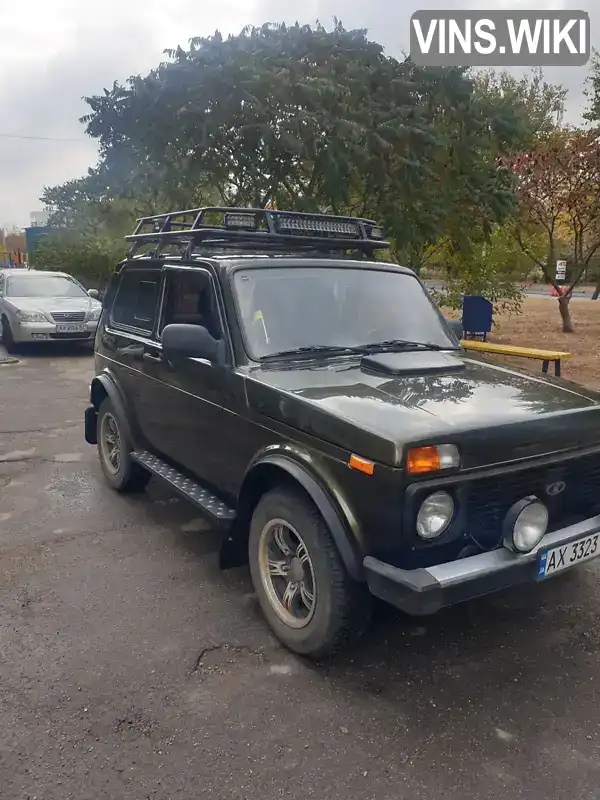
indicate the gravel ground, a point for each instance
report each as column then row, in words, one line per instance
column 131, row 667
column 540, row 326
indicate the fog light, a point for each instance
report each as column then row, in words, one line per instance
column 526, row 525
column 435, row 515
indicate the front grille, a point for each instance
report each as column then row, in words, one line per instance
column 490, row 498
column 68, row 316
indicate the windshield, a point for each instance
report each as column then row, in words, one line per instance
column 303, row 307
column 43, row 286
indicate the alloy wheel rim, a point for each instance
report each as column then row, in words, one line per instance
column 287, row 573
column 110, row 439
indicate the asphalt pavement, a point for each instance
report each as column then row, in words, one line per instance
column 132, row 668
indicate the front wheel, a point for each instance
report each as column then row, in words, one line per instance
column 114, row 449
column 8, row 340
column 305, row 592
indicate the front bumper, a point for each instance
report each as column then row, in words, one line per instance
column 33, row 332
column 425, row 591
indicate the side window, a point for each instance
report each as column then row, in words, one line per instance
column 136, row 300
column 190, row 299
column 1, row 285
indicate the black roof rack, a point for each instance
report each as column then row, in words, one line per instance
column 258, row 229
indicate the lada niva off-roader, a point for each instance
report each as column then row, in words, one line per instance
column 314, row 404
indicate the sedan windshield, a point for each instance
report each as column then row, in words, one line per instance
column 312, row 310
column 43, row 286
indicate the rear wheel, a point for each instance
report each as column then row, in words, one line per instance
column 7, row 336
column 305, row 592
column 114, row 449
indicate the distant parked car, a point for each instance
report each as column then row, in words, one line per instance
column 40, row 306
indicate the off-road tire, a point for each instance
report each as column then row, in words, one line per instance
column 129, row 477
column 343, row 606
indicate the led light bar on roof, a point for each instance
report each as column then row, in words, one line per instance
column 240, row 220
column 307, row 225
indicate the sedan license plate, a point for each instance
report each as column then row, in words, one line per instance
column 66, row 328
column 561, row 558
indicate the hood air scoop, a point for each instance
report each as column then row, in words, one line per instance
column 421, row 362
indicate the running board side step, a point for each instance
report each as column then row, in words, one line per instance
column 214, row 509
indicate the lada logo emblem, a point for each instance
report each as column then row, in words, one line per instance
column 556, row 488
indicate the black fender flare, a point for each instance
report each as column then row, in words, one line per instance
column 334, row 518
column 110, row 387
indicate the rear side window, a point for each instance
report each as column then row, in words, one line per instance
column 136, row 300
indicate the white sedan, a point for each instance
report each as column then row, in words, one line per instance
column 38, row 306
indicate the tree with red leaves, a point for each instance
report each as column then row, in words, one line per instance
column 557, row 184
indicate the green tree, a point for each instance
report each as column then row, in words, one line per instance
column 491, row 267
column 88, row 233
column 592, row 91
column 557, row 186
column 310, row 119
column 313, row 120
column 90, row 257
column 538, row 106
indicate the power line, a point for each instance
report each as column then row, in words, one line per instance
column 39, row 138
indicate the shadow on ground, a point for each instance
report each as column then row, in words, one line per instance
column 512, row 671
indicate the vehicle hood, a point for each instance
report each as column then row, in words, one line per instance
column 494, row 414
column 50, row 304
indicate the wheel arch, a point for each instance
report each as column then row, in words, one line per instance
column 5, row 318
column 105, row 385
column 281, row 471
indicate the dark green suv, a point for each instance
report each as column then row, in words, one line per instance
column 314, row 404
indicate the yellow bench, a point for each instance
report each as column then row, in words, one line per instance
column 546, row 356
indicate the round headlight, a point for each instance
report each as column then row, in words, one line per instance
column 435, row 515
column 530, row 527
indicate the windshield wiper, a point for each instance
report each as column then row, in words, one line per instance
column 390, row 345
column 401, row 344
column 318, row 349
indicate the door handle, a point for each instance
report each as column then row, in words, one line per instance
column 151, row 357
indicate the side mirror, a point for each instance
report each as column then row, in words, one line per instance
column 189, row 341
column 94, row 293
column 456, row 327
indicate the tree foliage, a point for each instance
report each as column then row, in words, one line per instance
column 91, row 257
column 89, row 230
column 592, row 91
column 310, row 119
column 538, row 106
column 491, row 268
column 557, row 185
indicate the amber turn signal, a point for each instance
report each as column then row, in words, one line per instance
column 421, row 460
column 361, row 464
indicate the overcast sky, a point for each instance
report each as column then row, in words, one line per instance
column 53, row 52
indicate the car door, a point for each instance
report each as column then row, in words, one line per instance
column 131, row 321
column 183, row 405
